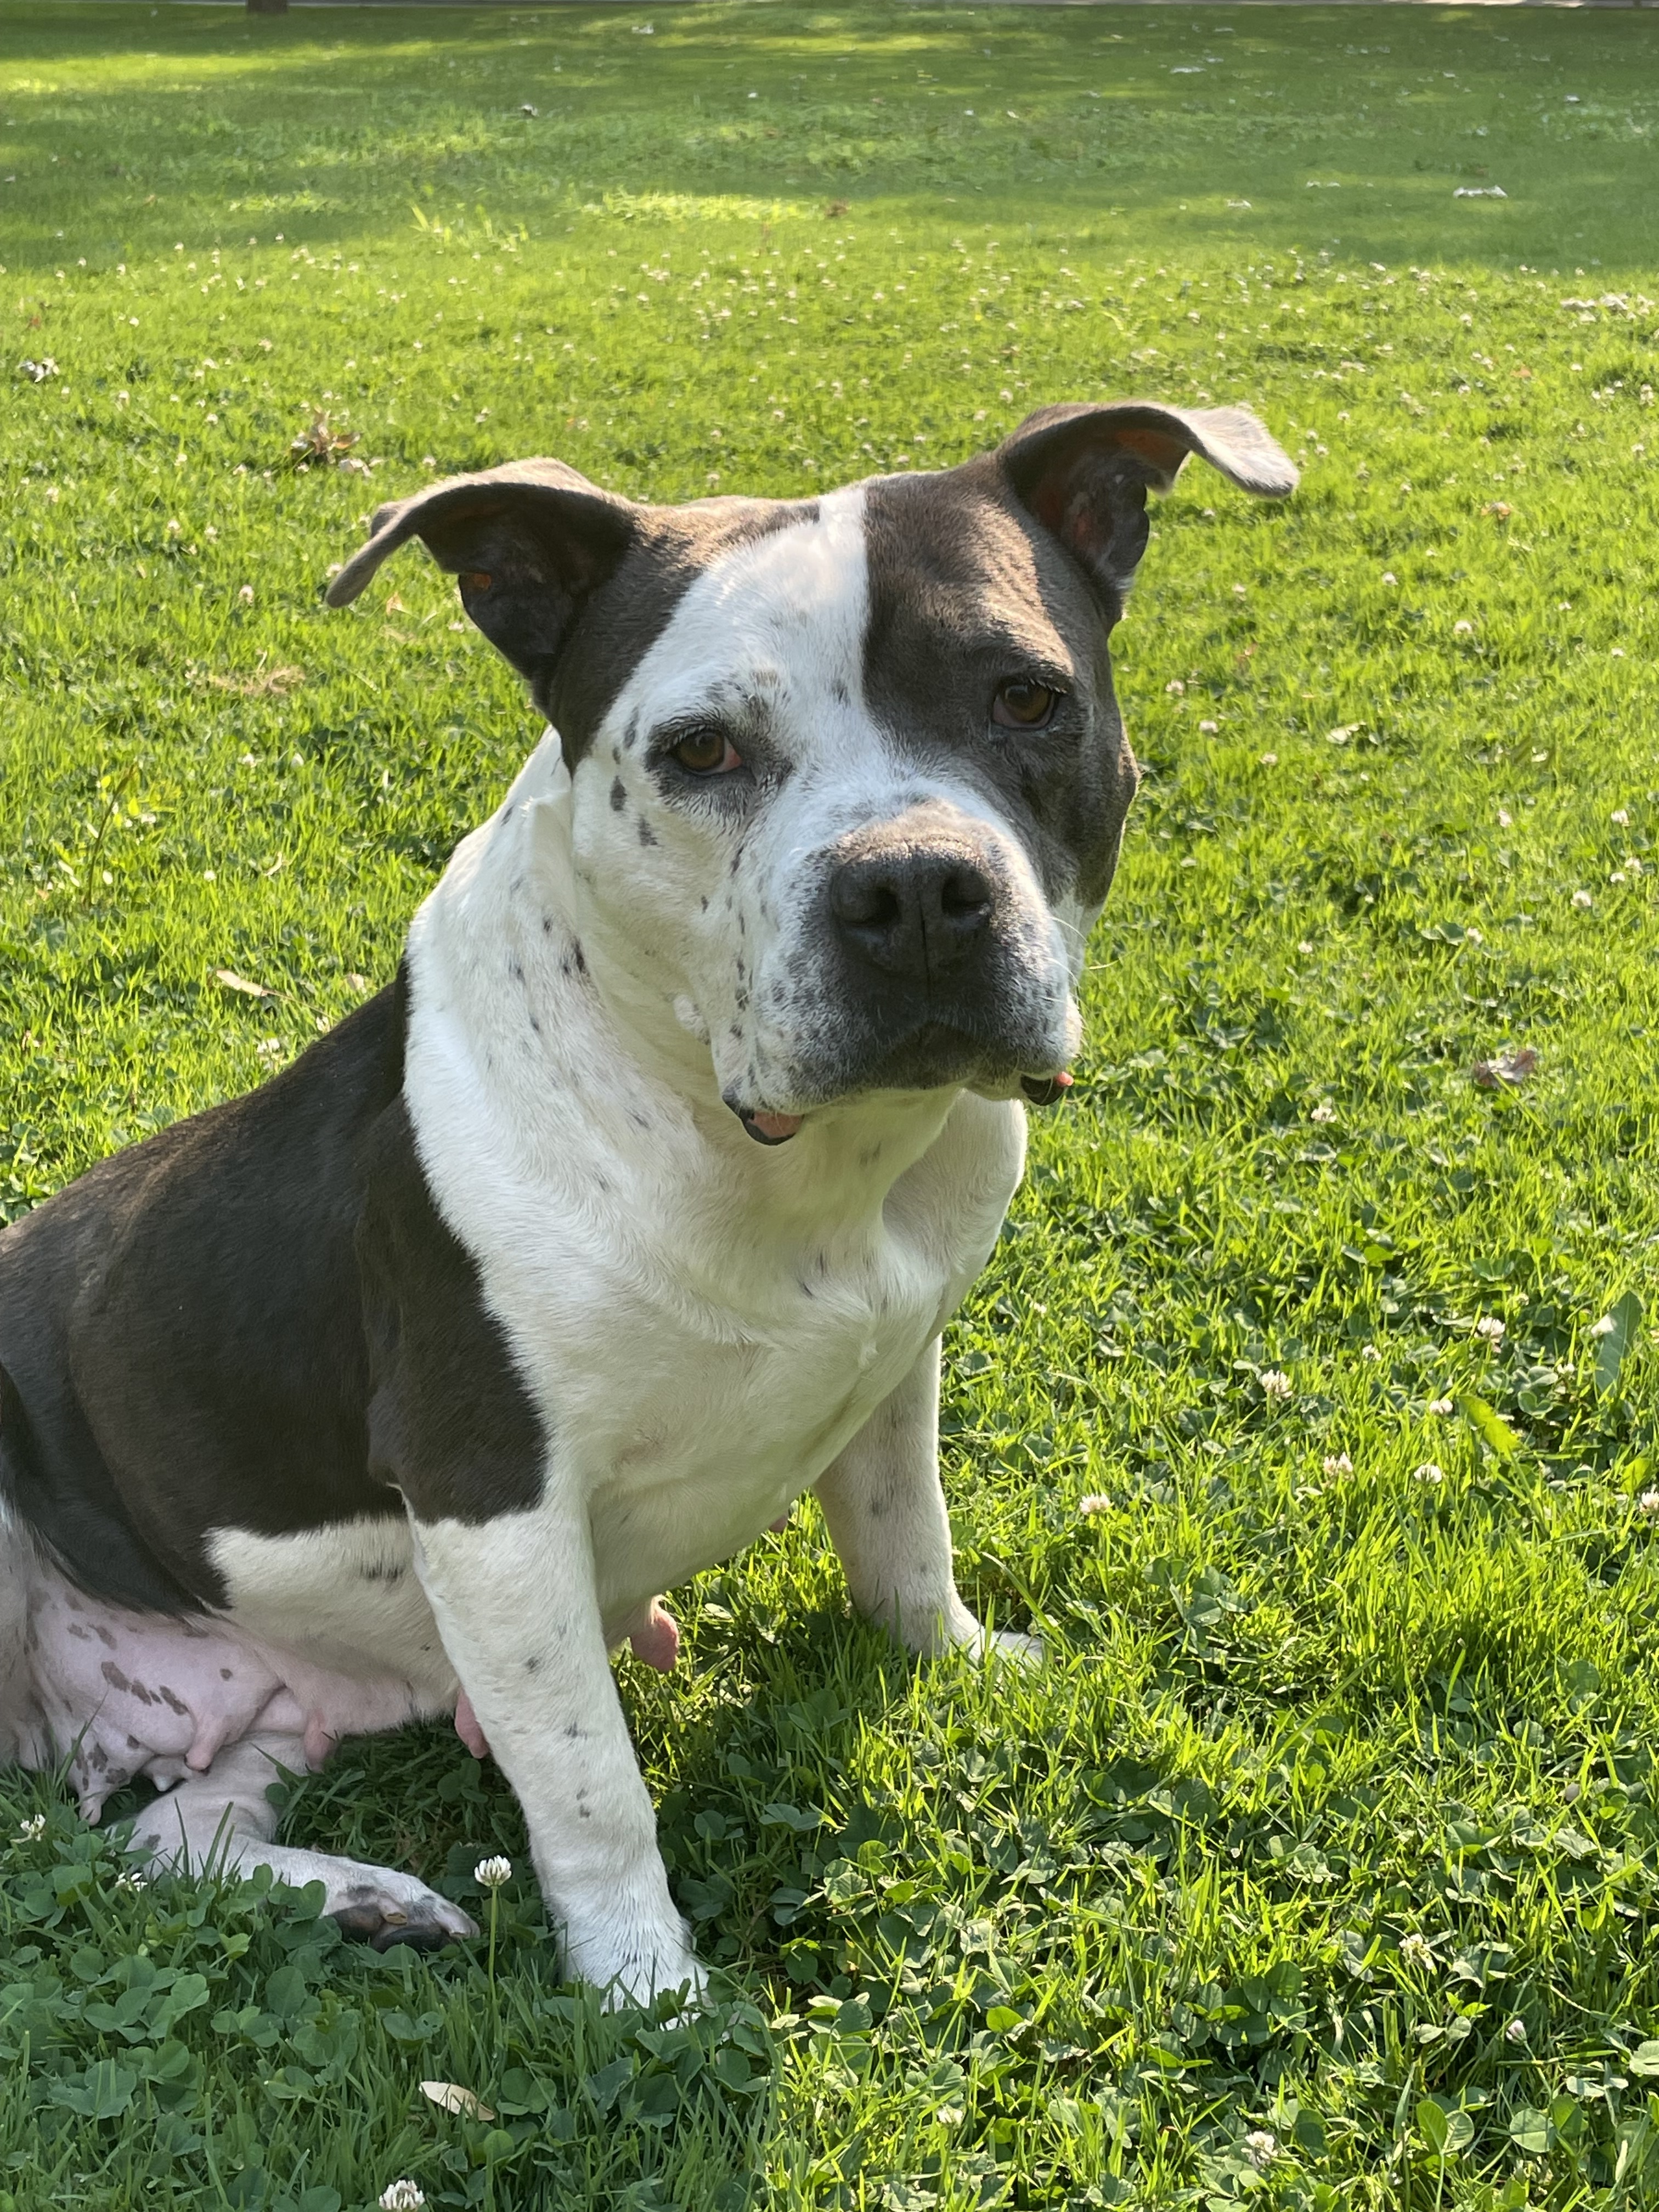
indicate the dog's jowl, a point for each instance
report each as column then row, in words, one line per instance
column 634, row 1208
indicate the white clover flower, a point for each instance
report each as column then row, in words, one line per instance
column 1505, row 819
column 1270, row 760
column 245, row 595
column 490, row 1874
column 1582, row 899
column 1388, row 576
column 1648, row 1503
column 1370, row 1352
column 130, row 1880
column 1304, row 947
column 402, row 2196
column 1621, row 816
column 1261, row 2148
column 1338, row 1463
column 32, row 1830
column 1463, row 629
column 1208, row 729
column 1428, row 1473
column 1176, row 689
column 1323, row 1112
column 1491, row 1327
column 1441, row 1405
column 1416, row 1947
column 1276, row 1384
column 1515, row 2032
column 1097, row 1502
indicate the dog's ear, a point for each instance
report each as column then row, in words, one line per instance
column 1084, row 471
column 529, row 542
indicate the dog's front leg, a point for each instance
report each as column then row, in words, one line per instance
column 886, row 1508
column 516, row 1606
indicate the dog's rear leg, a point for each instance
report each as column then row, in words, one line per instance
column 223, row 1819
column 886, row 1513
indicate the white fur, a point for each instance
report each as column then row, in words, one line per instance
column 706, row 1327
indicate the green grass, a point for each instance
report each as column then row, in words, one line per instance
column 1334, row 1772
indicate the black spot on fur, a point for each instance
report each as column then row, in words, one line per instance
column 618, row 795
column 648, row 836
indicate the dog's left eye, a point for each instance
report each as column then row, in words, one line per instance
column 706, row 752
column 1022, row 703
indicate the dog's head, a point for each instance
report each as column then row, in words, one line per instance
column 849, row 777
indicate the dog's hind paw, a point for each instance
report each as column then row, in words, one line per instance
column 382, row 1908
column 1009, row 1643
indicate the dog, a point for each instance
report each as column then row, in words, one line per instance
column 633, row 1209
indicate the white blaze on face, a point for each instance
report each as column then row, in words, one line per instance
column 770, row 638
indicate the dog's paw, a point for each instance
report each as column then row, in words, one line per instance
column 1009, row 1643
column 633, row 1967
column 381, row 1907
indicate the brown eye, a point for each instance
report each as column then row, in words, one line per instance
column 1023, row 704
column 706, row 752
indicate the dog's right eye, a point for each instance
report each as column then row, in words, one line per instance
column 706, row 752
column 1022, row 703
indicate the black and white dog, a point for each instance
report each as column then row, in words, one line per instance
column 634, row 1208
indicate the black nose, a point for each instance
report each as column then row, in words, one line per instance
column 912, row 912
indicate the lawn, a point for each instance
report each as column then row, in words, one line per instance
column 1305, row 1411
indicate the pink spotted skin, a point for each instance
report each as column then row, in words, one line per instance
column 127, row 1694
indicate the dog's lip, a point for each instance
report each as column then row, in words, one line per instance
column 765, row 1127
column 1047, row 1089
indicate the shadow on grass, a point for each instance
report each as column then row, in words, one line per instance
column 1251, row 131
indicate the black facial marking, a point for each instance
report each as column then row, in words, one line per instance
column 967, row 589
column 647, row 834
column 618, row 796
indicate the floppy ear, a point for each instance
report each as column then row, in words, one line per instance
column 1084, row 471
column 529, row 542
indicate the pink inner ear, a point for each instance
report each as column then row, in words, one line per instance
column 1165, row 454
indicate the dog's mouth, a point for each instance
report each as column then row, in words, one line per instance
column 769, row 1128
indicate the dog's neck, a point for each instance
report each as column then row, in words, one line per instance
column 543, row 1004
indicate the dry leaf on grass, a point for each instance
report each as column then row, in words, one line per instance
column 230, row 980
column 450, row 2097
column 263, row 684
column 1508, row 1067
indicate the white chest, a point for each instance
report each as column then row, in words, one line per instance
column 703, row 1323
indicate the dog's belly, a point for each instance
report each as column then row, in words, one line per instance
column 127, row 1694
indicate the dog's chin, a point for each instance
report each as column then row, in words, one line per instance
column 935, row 1056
